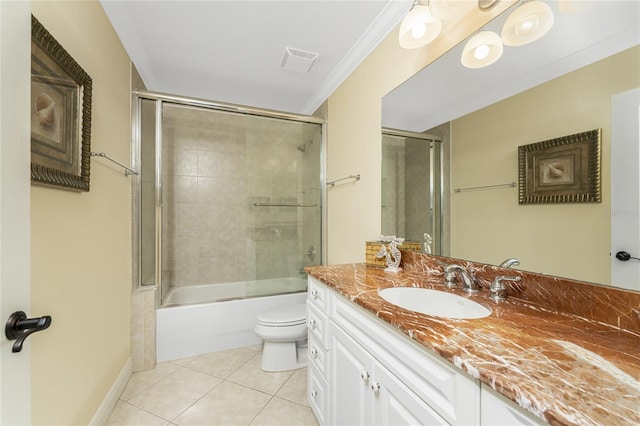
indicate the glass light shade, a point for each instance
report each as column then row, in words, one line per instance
column 482, row 50
column 418, row 28
column 527, row 23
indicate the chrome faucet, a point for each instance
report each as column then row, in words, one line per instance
column 509, row 263
column 469, row 283
column 498, row 289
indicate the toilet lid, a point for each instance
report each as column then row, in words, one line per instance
column 284, row 316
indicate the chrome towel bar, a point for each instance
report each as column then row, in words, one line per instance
column 333, row 182
column 127, row 170
column 283, row 205
column 500, row 185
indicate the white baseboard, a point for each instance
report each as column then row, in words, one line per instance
column 108, row 404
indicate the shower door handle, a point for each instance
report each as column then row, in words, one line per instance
column 19, row 327
column 311, row 253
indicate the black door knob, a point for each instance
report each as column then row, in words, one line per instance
column 19, row 327
column 624, row 256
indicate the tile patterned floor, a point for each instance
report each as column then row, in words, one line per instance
column 221, row 388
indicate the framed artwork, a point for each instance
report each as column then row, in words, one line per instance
column 561, row 170
column 60, row 114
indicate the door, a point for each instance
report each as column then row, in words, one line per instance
column 396, row 404
column 625, row 189
column 350, row 369
column 15, row 39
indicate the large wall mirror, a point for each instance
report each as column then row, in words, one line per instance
column 556, row 86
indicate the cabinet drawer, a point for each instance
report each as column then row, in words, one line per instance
column 451, row 393
column 317, row 356
column 317, row 294
column 316, row 324
column 317, row 394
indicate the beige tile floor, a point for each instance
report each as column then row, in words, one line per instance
column 221, row 388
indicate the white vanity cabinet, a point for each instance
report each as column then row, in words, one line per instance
column 317, row 386
column 363, row 372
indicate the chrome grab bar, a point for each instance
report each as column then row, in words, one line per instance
column 283, row 205
column 127, row 170
column 333, row 182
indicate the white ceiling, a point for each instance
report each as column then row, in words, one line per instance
column 446, row 90
column 231, row 51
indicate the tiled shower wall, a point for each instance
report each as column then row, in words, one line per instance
column 215, row 166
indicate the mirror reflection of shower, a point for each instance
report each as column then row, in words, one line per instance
column 412, row 188
column 303, row 148
column 239, row 198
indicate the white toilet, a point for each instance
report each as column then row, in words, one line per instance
column 284, row 331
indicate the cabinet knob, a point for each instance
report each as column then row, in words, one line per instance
column 314, row 394
column 312, row 323
column 364, row 375
column 314, row 353
column 375, row 387
column 314, row 293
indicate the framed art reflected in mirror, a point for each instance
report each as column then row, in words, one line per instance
column 60, row 114
column 561, row 170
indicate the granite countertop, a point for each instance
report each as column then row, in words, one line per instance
column 563, row 368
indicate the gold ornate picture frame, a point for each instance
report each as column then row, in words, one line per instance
column 561, row 170
column 60, row 114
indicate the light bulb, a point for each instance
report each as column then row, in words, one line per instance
column 527, row 23
column 481, row 52
column 418, row 31
column 418, row 28
column 526, row 26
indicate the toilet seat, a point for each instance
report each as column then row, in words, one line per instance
column 288, row 316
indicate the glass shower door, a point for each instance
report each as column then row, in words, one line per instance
column 226, row 199
column 412, row 187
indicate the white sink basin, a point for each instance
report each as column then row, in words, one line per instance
column 434, row 302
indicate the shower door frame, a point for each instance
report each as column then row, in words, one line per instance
column 136, row 138
column 436, row 216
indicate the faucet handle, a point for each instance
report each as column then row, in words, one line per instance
column 498, row 289
column 450, row 274
column 450, row 278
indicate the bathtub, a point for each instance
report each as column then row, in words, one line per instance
column 214, row 317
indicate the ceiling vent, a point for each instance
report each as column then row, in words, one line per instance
column 298, row 60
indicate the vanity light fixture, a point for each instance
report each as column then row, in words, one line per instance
column 419, row 27
column 449, row 9
column 482, row 50
column 529, row 22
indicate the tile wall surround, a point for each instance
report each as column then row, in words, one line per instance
column 610, row 305
column 215, row 166
column 143, row 328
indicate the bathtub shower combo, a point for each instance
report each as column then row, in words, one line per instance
column 228, row 213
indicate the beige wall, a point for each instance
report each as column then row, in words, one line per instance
column 570, row 240
column 81, row 242
column 354, row 138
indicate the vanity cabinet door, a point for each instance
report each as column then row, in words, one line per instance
column 350, row 369
column 395, row 404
